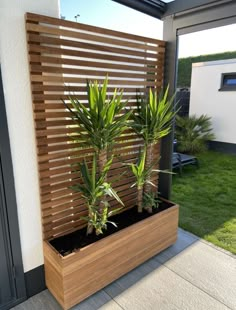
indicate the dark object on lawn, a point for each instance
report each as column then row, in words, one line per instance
column 179, row 160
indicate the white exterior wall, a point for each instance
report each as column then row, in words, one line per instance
column 205, row 97
column 16, row 84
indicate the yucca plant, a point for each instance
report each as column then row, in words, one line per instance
column 95, row 189
column 143, row 177
column 101, row 121
column 153, row 120
column 192, row 133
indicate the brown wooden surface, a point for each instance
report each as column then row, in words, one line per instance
column 85, row 272
column 62, row 55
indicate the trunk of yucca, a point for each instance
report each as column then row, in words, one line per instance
column 140, row 200
column 89, row 225
column 102, row 160
column 150, row 159
column 89, row 229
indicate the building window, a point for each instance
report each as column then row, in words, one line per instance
column 228, row 82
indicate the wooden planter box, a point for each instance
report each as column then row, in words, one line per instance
column 78, row 275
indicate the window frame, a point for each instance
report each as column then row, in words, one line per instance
column 224, row 87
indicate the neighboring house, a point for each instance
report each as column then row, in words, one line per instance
column 213, row 92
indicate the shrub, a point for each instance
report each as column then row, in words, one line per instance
column 192, row 133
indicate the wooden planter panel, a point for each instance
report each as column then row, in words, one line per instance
column 62, row 56
column 73, row 278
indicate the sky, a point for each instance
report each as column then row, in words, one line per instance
column 111, row 15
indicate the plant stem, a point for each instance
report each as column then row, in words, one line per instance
column 90, row 226
column 140, row 199
column 89, row 229
column 102, row 160
column 148, row 188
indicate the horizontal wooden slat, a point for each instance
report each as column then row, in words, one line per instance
column 64, row 70
column 75, row 80
column 73, row 145
column 153, row 60
column 139, row 49
column 69, row 161
column 30, row 17
column 86, row 36
column 80, row 89
column 91, row 64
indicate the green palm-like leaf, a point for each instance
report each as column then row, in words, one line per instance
column 94, row 189
column 154, row 117
column 101, row 120
column 193, row 132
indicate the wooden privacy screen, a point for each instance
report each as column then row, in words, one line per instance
column 62, row 55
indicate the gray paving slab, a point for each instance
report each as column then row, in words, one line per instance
column 100, row 300
column 45, row 301
column 161, row 289
column 206, row 267
column 184, row 241
column 42, row 301
column 131, row 278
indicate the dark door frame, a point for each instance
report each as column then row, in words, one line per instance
column 10, row 209
column 205, row 16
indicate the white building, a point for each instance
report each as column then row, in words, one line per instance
column 213, row 92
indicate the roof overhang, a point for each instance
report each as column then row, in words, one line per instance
column 154, row 8
column 159, row 9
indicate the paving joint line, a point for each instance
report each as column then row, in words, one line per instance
column 213, row 297
column 113, row 298
column 213, row 246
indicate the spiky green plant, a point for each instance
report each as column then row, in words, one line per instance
column 95, row 189
column 153, row 120
column 101, row 121
column 192, row 133
column 143, row 176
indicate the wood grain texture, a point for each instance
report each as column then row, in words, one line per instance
column 62, row 55
column 83, row 273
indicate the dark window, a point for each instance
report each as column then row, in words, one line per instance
column 228, row 82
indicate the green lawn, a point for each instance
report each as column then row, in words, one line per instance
column 207, row 199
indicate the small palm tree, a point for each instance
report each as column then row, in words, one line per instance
column 142, row 176
column 153, row 120
column 101, row 121
column 95, row 189
column 193, row 132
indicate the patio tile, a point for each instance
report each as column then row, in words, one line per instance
column 209, row 269
column 131, row 278
column 161, row 289
column 100, row 300
column 45, row 301
column 41, row 301
column 184, row 240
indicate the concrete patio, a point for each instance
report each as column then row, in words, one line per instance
column 192, row 274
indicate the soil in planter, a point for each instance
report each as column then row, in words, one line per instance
column 78, row 239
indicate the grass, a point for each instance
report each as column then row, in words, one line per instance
column 207, row 199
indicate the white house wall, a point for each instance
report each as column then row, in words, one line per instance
column 16, row 83
column 205, row 97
